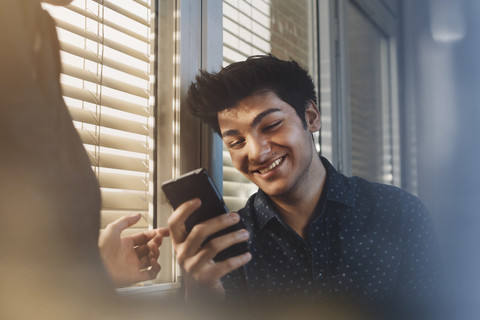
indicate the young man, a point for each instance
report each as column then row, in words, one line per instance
column 311, row 231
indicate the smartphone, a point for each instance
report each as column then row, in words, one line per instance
column 198, row 184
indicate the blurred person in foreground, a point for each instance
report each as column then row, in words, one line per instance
column 51, row 266
column 311, row 231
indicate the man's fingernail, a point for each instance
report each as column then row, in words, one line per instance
column 243, row 234
column 234, row 216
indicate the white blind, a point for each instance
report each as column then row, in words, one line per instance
column 107, row 80
column 250, row 27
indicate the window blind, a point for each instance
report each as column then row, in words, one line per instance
column 371, row 115
column 250, row 27
column 107, row 81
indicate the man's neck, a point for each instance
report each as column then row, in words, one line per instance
column 298, row 209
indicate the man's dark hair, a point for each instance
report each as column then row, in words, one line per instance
column 214, row 92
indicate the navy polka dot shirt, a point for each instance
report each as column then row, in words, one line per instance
column 368, row 240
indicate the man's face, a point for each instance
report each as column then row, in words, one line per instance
column 268, row 142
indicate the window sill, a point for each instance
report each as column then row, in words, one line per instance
column 161, row 289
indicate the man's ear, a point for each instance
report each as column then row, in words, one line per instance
column 312, row 117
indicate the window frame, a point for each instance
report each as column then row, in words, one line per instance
column 383, row 14
column 188, row 35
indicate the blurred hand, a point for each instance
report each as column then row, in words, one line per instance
column 130, row 259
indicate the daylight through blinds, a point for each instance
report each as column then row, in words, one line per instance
column 107, row 81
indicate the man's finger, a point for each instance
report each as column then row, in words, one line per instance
column 217, row 270
column 226, row 266
column 176, row 222
column 218, row 244
column 203, row 230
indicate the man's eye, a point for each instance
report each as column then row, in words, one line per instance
column 273, row 125
column 236, row 143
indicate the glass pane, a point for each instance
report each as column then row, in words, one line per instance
column 370, row 112
column 284, row 28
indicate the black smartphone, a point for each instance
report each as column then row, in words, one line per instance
column 198, row 184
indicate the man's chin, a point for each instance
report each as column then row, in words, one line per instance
column 274, row 191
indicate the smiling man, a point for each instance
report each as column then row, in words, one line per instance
column 311, row 230
column 274, row 149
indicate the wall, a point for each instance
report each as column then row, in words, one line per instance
column 441, row 93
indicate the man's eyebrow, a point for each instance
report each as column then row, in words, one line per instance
column 232, row 132
column 254, row 123
column 262, row 115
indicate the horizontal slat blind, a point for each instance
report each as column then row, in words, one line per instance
column 252, row 27
column 246, row 29
column 89, row 55
column 371, row 122
column 93, row 97
column 106, row 81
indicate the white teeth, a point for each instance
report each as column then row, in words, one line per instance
column 270, row 167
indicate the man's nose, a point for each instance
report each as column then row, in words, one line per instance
column 259, row 150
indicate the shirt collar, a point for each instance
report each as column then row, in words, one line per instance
column 264, row 210
column 338, row 187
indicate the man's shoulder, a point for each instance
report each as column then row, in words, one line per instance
column 357, row 192
column 382, row 193
column 388, row 201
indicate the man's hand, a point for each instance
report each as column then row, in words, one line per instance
column 201, row 273
column 130, row 259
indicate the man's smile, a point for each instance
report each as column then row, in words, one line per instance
column 270, row 167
